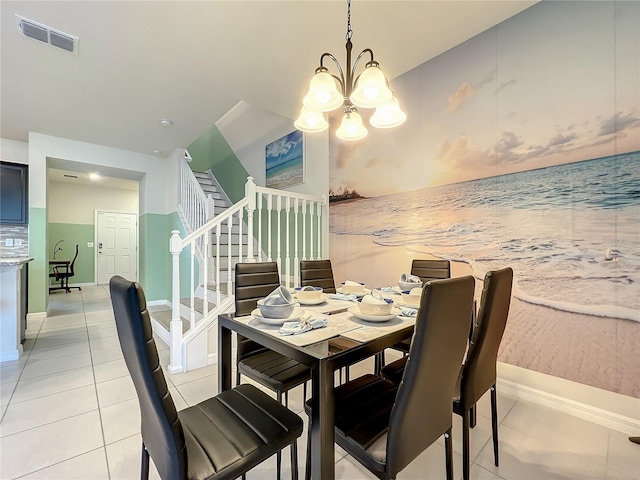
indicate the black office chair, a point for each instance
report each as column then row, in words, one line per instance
column 384, row 426
column 479, row 371
column 220, row 438
column 317, row 273
column 254, row 281
column 63, row 275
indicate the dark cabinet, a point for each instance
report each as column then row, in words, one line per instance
column 14, row 193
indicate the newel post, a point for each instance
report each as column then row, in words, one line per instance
column 175, row 329
column 211, row 207
column 250, row 194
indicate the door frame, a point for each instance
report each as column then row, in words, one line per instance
column 95, row 241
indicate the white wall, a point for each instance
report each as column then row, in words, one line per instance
column 76, row 204
column 249, row 129
column 14, row 151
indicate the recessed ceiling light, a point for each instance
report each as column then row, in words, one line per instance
column 94, row 176
column 165, row 122
column 157, row 152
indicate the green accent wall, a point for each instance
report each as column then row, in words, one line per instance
column 72, row 234
column 39, row 267
column 155, row 259
column 211, row 151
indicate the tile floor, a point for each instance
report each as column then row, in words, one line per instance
column 69, row 411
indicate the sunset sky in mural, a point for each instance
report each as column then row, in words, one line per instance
column 549, row 98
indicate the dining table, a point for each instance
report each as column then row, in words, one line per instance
column 346, row 339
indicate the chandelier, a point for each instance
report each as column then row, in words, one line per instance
column 370, row 89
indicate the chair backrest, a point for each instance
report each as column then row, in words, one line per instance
column 73, row 262
column 162, row 431
column 479, row 371
column 422, row 409
column 431, row 269
column 317, row 273
column 253, row 281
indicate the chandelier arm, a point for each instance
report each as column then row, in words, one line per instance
column 355, row 64
column 335, row 60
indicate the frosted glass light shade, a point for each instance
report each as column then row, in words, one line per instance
column 311, row 121
column 323, row 95
column 388, row 115
column 351, row 128
column 371, row 88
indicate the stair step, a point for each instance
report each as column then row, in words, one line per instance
column 198, row 304
column 162, row 314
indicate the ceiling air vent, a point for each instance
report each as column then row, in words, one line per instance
column 45, row 34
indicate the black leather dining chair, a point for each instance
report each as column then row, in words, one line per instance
column 219, row 438
column 386, row 426
column 273, row 370
column 479, row 370
column 317, row 273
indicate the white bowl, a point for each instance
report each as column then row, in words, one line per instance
column 409, row 285
column 348, row 289
column 275, row 311
column 412, row 297
column 376, row 308
column 305, row 293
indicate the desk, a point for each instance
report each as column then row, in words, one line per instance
column 64, row 281
column 358, row 340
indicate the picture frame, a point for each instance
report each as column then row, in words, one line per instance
column 284, row 161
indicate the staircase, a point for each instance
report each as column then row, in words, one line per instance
column 266, row 225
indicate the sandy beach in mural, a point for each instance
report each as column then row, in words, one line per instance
column 597, row 351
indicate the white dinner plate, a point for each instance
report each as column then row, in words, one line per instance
column 312, row 301
column 295, row 315
column 400, row 303
column 364, row 292
column 374, row 318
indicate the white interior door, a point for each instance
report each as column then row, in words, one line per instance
column 117, row 246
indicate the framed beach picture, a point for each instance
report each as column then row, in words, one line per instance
column 284, row 161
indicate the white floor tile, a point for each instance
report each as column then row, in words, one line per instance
column 45, row 410
column 48, row 366
column 178, row 401
column 120, row 421
column 29, row 389
column 115, row 391
column 106, row 354
column 104, row 342
column 523, row 457
column 180, row 378
column 566, row 432
column 6, row 392
column 88, row 466
column 110, row 370
column 123, row 458
column 199, row 390
column 54, row 337
column 59, row 350
column 623, row 456
column 11, row 373
column 41, row 447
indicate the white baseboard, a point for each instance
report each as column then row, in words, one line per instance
column 36, row 317
column 155, row 303
column 11, row 354
column 612, row 410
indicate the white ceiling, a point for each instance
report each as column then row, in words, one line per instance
column 140, row 61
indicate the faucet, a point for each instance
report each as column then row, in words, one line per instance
column 56, row 248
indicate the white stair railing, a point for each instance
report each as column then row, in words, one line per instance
column 280, row 214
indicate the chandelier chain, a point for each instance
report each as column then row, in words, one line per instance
column 349, row 31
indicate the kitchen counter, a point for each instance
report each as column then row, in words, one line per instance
column 12, row 311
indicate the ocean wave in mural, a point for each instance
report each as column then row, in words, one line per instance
column 569, row 231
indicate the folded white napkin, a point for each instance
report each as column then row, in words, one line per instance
column 344, row 296
column 308, row 288
column 416, row 291
column 296, row 328
column 280, row 296
column 409, row 312
column 351, row 283
column 375, row 298
column 408, row 278
column 388, row 289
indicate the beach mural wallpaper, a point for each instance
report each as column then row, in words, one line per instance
column 521, row 149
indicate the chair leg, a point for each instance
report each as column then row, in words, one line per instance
column 237, row 376
column 144, row 464
column 307, row 463
column 279, row 454
column 465, row 445
column 346, row 374
column 494, row 422
column 294, row 460
column 448, row 451
column 304, row 392
column 472, row 416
